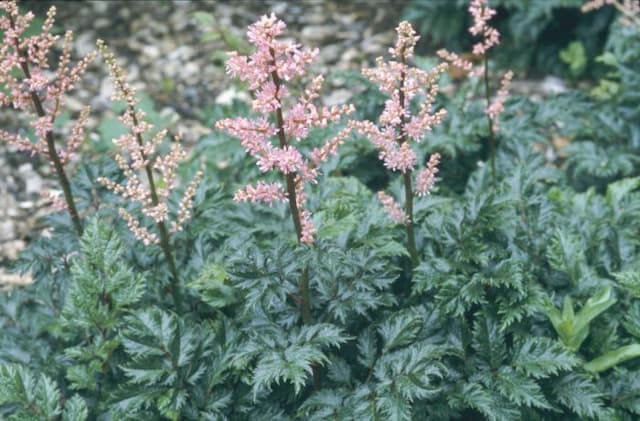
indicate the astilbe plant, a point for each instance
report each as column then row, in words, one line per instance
column 399, row 128
column 150, row 175
column 481, row 14
column 267, row 70
column 30, row 85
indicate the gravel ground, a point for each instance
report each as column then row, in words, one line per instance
column 168, row 56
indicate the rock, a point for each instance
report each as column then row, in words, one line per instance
column 11, row 279
column 73, row 104
column 317, row 33
column 227, row 96
column 330, row 53
column 337, row 97
column 552, row 85
column 31, row 179
column 190, row 69
column 7, row 231
column 84, row 44
column 151, row 51
column 350, row 54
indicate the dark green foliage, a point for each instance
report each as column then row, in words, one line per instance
column 27, row 397
column 526, row 305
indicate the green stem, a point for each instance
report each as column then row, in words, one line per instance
column 51, row 146
column 492, row 134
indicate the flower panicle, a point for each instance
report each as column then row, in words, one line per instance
column 481, row 14
column 30, row 85
column 261, row 192
column 426, row 178
column 395, row 211
column 402, row 83
column 398, row 127
column 273, row 63
column 405, row 42
column 151, row 175
column 455, row 60
column 497, row 105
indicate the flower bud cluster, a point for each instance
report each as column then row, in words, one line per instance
column 151, row 176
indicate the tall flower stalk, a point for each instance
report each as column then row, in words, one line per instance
column 151, row 176
column 267, row 71
column 482, row 14
column 25, row 85
column 399, row 128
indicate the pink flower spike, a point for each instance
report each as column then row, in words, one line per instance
column 273, row 63
column 308, row 229
column 427, row 177
column 406, row 42
column 482, row 14
column 38, row 83
column 137, row 154
column 403, row 83
column 497, row 105
column 393, row 209
column 455, row 60
column 262, row 192
column 141, row 233
column 330, row 148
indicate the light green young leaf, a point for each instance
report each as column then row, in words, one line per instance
column 613, row 358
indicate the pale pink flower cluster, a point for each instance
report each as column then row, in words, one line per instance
column 393, row 208
column 481, row 14
column 406, row 41
column 402, row 82
column 426, row 178
column 596, row 4
column 55, row 199
column 142, row 164
column 25, row 77
column 398, row 127
column 274, row 62
column 455, row 60
column 261, row 192
column 497, row 105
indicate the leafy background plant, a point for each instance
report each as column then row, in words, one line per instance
column 480, row 331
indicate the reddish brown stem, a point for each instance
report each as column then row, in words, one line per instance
column 305, row 294
column 51, row 146
column 165, row 242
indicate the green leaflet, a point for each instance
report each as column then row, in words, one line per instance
column 613, row 358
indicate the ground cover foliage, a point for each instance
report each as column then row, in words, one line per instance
column 523, row 302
